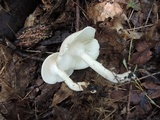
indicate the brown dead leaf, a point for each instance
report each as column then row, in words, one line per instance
column 103, row 10
column 153, row 33
column 141, row 109
column 47, row 4
column 143, row 53
column 145, row 104
column 94, row 12
column 111, row 9
column 117, row 24
column 117, row 95
column 154, row 94
column 135, row 96
column 141, row 46
column 129, row 34
column 5, row 83
column 138, row 112
column 32, row 18
column 63, row 93
column 5, row 91
column 150, row 85
column 153, row 89
column 45, row 93
column 15, row 74
column 141, row 57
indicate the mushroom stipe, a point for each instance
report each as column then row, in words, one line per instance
column 51, row 74
column 79, row 51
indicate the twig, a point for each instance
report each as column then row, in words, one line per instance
column 148, row 15
column 150, row 25
column 83, row 11
column 110, row 113
column 37, row 51
column 11, row 28
column 154, row 111
column 130, row 49
column 137, row 84
column 18, row 117
column 77, row 16
column 5, row 60
column 148, row 76
column 36, row 116
column 128, row 103
column 19, row 52
column 131, row 14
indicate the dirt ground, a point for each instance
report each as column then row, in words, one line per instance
column 128, row 32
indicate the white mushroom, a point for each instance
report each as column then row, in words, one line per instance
column 80, row 50
column 51, row 74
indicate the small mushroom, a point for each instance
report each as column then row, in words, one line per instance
column 80, row 50
column 51, row 74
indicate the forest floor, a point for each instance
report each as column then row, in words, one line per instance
column 128, row 32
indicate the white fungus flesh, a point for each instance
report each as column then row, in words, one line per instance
column 80, row 50
column 51, row 74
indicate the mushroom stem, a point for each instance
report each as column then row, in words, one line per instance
column 107, row 74
column 72, row 85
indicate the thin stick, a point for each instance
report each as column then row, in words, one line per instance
column 77, row 16
column 130, row 49
column 148, row 75
column 83, row 11
column 19, row 52
column 150, row 25
column 131, row 14
column 128, row 103
column 148, row 15
column 37, row 51
column 137, row 84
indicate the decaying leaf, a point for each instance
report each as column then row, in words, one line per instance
column 36, row 16
column 63, row 93
column 118, row 94
column 152, row 88
column 94, row 11
column 129, row 34
column 117, row 24
column 155, row 94
column 31, row 35
column 145, row 104
column 103, row 10
column 111, row 9
column 45, row 93
column 149, row 84
column 136, row 96
column 5, row 91
column 141, row 57
column 138, row 112
column 47, row 4
column 5, row 86
column 31, row 20
column 143, row 53
column 14, row 75
column 153, row 33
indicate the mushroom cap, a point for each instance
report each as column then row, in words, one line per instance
column 82, row 40
column 48, row 70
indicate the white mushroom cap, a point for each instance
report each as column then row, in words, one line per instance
column 51, row 74
column 80, row 50
column 48, row 70
column 83, row 40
